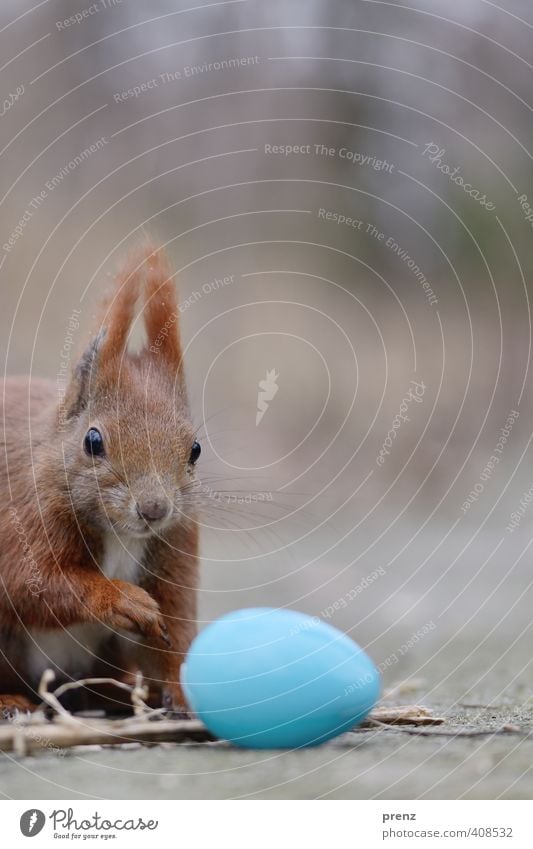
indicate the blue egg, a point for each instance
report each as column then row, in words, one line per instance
column 265, row 678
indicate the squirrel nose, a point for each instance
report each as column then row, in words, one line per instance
column 152, row 509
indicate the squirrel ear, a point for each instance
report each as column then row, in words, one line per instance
column 78, row 391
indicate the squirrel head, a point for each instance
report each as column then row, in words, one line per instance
column 128, row 447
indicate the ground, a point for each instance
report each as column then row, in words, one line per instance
column 378, row 764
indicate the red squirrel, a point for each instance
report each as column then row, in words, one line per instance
column 99, row 548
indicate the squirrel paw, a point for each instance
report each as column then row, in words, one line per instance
column 133, row 609
column 173, row 701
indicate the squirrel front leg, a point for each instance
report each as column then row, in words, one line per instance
column 77, row 595
column 173, row 585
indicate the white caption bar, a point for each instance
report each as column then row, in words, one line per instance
column 266, row 824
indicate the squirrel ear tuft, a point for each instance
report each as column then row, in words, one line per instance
column 161, row 312
column 84, row 374
column 119, row 310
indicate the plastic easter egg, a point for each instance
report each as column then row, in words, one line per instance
column 266, row 678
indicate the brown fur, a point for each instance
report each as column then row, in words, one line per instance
column 64, row 504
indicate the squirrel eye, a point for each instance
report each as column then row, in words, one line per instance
column 94, row 443
column 195, row 453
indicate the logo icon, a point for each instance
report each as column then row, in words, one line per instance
column 267, row 389
column 32, row 822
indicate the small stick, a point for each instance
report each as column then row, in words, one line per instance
column 28, row 738
column 402, row 715
column 83, row 682
column 138, row 693
column 504, row 729
column 47, row 677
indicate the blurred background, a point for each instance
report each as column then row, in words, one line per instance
column 344, row 191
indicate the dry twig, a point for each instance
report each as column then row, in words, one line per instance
column 34, row 732
column 403, row 715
